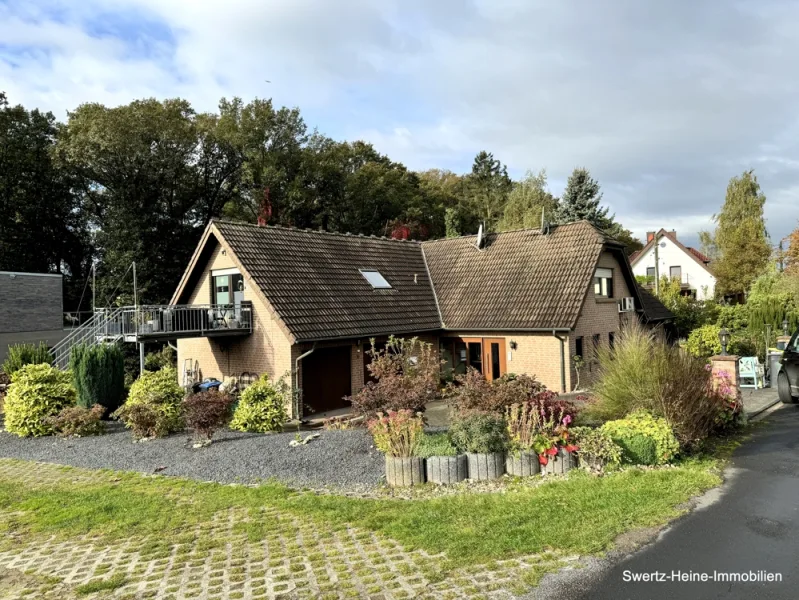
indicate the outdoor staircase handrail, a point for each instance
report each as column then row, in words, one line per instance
column 91, row 333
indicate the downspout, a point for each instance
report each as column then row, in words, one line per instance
column 297, row 381
column 562, row 341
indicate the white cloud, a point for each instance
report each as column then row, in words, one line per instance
column 663, row 102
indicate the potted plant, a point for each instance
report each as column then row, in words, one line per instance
column 397, row 434
column 484, row 439
column 524, row 426
column 443, row 464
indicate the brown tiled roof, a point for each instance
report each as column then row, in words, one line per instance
column 698, row 254
column 312, row 280
column 653, row 308
column 520, row 280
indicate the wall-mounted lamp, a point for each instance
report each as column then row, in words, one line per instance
column 513, row 345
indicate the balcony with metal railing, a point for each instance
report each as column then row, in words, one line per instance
column 161, row 323
column 157, row 323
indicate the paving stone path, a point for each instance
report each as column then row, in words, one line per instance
column 293, row 558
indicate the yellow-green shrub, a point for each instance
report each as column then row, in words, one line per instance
column 262, row 407
column 160, row 393
column 627, row 433
column 37, row 392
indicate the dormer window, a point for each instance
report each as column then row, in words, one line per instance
column 603, row 283
column 375, row 279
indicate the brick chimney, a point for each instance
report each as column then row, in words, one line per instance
column 674, row 233
column 650, row 235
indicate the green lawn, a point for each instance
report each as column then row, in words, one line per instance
column 578, row 515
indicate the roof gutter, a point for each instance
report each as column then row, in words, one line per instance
column 297, row 392
column 551, row 330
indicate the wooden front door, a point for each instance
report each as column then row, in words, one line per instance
column 326, row 379
column 486, row 355
column 494, row 358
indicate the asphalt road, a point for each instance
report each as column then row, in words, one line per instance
column 751, row 527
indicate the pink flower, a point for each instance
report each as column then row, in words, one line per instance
column 567, row 419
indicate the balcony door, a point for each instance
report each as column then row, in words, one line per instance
column 227, row 294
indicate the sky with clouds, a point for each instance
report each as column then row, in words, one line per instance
column 662, row 101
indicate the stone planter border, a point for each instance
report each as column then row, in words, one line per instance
column 523, row 464
column 483, row 467
column 446, row 469
column 561, row 463
column 404, row 472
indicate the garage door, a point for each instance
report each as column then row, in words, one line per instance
column 326, row 376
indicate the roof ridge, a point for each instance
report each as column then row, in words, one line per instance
column 519, row 230
column 309, row 230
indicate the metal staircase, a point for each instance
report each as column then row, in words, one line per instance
column 101, row 328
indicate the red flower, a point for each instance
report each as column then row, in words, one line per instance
column 543, row 459
column 552, row 451
column 571, row 447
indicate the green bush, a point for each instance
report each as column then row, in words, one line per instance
column 704, row 342
column 479, row 433
column 20, row 355
column 37, row 391
column 262, row 407
column 166, row 357
column 435, row 444
column 596, row 446
column 98, row 373
column 160, row 394
column 637, row 449
column 641, row 423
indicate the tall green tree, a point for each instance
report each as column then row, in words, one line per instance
column 154, row 173
column 526, row 202
column 581, row 200
column 42, row 224
column 487, row 189
column 442, row 191
column 741, row 236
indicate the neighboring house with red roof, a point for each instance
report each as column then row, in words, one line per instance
column 521, row 301
column 676, row 261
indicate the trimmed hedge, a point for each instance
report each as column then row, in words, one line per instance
column 157, row 397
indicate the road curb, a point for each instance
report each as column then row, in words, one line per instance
column 765, row 411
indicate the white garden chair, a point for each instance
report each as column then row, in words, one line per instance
column 751, row 372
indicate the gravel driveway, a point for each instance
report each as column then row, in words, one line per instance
column 343, row 460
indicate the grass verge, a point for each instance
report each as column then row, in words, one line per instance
column 578, row 515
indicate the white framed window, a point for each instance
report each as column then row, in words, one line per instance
column 375, row 279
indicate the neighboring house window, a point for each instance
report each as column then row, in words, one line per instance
column 611, row 340
column 603, row 283
column 675, row 273
column 650, row 273
column 375, row 279
column 578, row 347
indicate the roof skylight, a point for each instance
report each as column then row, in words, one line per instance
column 375, row 279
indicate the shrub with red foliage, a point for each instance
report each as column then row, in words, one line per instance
column 471, row 392
column 407, row 374
column 205, row 412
